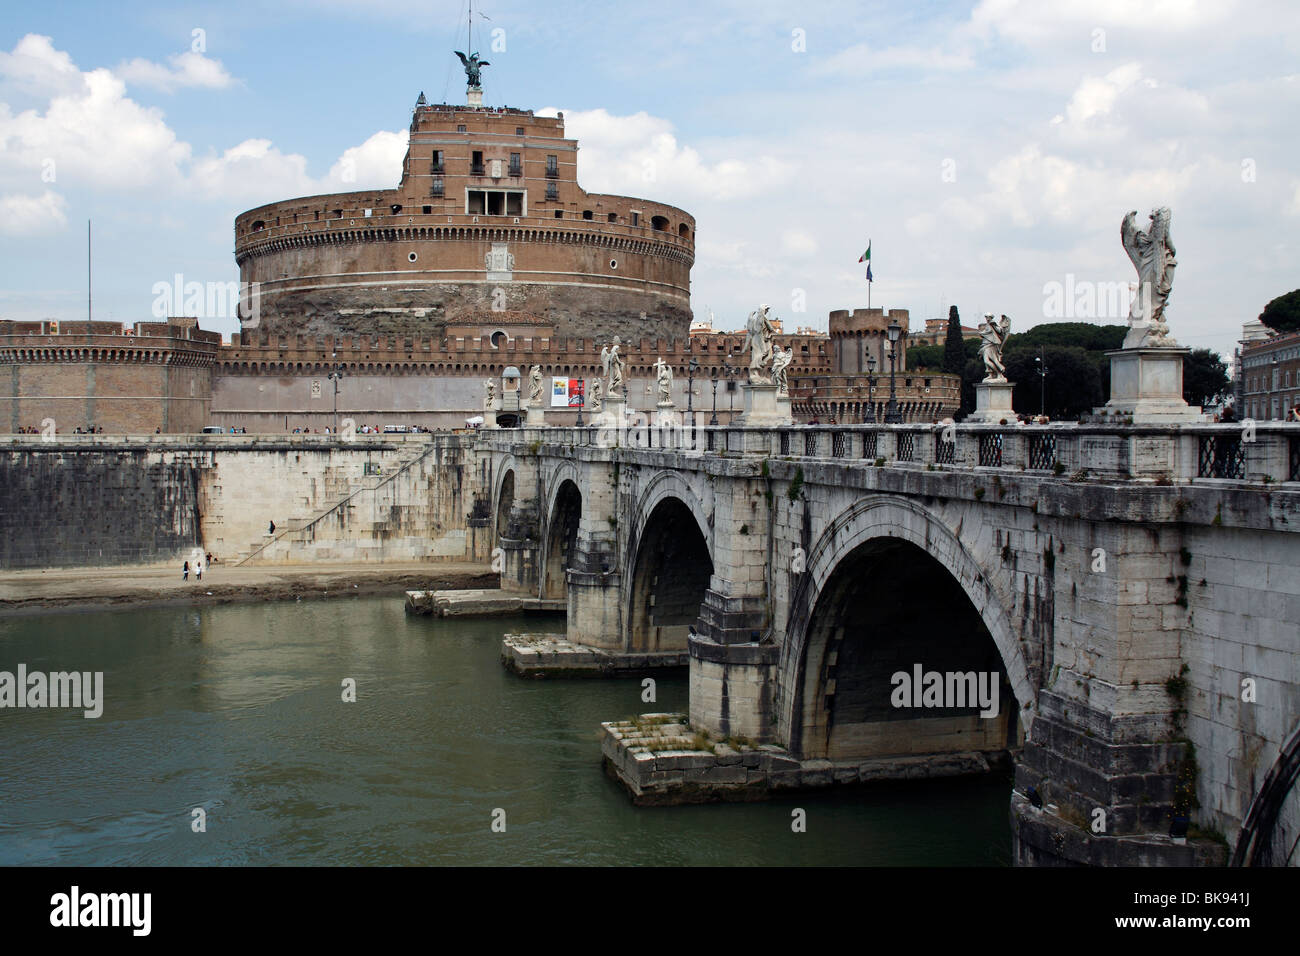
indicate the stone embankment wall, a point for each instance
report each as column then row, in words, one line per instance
column 99, row 501
column 68, row 504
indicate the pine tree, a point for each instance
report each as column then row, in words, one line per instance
column 954, row 353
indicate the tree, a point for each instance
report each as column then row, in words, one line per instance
column 954, row 353
column 1073, row 384
column 1282, row 314
column 1205, row 377
column 972, row 372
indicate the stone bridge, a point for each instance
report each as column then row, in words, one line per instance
column 1133, row 591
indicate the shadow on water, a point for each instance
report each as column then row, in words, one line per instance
column 238, row 710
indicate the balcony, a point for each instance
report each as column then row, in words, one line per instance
column 516, row 171
column 552, row 172
column 476, row 169
column 438, row 169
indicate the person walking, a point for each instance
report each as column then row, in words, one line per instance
column 198, row 570
column 185, row 572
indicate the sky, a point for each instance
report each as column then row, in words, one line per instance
column 988, row 151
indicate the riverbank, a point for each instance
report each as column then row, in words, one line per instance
column 63, row 589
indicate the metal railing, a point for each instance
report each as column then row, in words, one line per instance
column 1070, row 452
column 1221, row 456
column 1042, row 452
column 991, row 450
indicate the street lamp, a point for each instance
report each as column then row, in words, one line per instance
column 335, row 374
column 582, row 399
column 871, row 386
column 1042, row 390
column 731, row 371
column 691, row 368
column 713, row 419
column 892, row 414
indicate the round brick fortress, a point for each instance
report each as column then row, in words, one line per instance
column 488, row 217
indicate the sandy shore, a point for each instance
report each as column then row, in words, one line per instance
column 28, row 592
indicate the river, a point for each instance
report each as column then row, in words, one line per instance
column 237, row 710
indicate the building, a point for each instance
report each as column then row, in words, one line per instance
column 1270, row 375
column 856, row 387
column 936, row 333
column 488, row 218
column 90, row 375
column 394, row 306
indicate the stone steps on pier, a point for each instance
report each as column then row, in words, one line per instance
column 488, row 602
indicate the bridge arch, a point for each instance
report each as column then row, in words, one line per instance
column 560, row 535
column 670, row 564
column 503, row 495
column 892, row 537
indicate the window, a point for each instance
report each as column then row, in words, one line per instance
column 460, row 128
column 613, row 217
column 636, row 219
column 519, row 131
column 437, row 161
column 659, row 222
column 559, row 214
column 476, row 163
column 552, row 191
column 516, row 164
column 396, row 208
column 494, row 202
column 586, row 214
column 438, row 187
column 426, row 209
column 552, row 167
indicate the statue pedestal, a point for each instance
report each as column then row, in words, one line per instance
column 762, row 409
column 475, row 96
column 1146, row 385
column 783, row 406
column 611, row 414
column 992, row 403
column 490, row 414
column 536, row 416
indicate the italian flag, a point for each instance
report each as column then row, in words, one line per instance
column 866, row 257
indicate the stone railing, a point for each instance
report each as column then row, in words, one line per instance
column 1268, row 453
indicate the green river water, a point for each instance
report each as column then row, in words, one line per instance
column 238, row 710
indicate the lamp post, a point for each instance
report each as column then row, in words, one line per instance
column 892, row 414
column 691, row 368
column 335, row 374
column 1042, row 388
column 731, row 392
column 871, row 386
column 582, row 399
column 713, row 419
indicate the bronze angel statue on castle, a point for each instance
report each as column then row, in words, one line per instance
column 472, row 66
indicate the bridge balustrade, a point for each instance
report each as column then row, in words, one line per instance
column 1268, row 451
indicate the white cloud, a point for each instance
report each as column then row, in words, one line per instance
column 188, row 69
column 1029, row 21
column 639, row 155
column 798, row 243
column 22, row 215
column 87, row 131
column 37, row 69
column 375, row 164
column 861, row 60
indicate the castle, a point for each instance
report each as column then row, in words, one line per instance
column 392, row 307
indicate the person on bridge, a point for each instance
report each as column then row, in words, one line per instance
column 185, row 572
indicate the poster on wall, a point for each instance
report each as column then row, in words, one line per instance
column 566, row 392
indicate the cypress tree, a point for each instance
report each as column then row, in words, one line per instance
column 954, row 353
